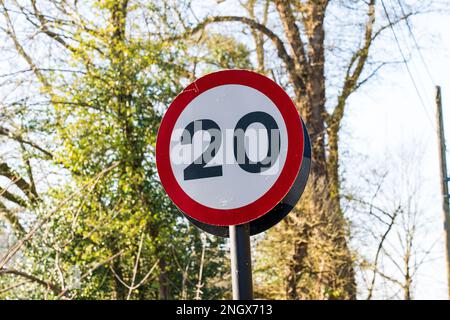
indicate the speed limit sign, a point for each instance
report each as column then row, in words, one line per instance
column 229, row 148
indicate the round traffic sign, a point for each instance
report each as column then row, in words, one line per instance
column 229, row 147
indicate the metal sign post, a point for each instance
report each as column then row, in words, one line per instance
column 241, row 262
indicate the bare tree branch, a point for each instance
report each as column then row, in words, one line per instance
column 278, row 43
column 20, row 49
column 19, row 244
column 46, row 284
column 12, row 219
column 19, row 138
column 20, row 182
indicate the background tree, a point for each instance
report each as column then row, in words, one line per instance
column 390, row 217
column 110, row 78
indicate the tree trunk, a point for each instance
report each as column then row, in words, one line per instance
column 321, row 258
column 163, row 281
column 120, row 291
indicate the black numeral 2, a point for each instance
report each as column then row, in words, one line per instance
column 198, row 169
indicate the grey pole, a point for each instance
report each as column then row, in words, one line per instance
column 444, row 179
column 241, row 264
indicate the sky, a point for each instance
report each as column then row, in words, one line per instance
column 388, row 114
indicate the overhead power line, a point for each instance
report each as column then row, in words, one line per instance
column 416, row 44
column 391, row 25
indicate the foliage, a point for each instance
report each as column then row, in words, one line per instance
column 106, row 113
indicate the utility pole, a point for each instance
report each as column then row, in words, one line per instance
column 444, row 179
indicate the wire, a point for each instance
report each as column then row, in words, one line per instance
column 406, row 64
column 408, row 46
column 415, row 42
column 416, row 45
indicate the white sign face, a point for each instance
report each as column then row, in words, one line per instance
column 229, row 147
column 232, row 186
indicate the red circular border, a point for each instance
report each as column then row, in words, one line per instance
column 251, row 211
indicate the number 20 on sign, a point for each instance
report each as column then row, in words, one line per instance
column 229, row 148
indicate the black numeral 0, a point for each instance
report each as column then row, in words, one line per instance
column 239, row 141
column 198, row 169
